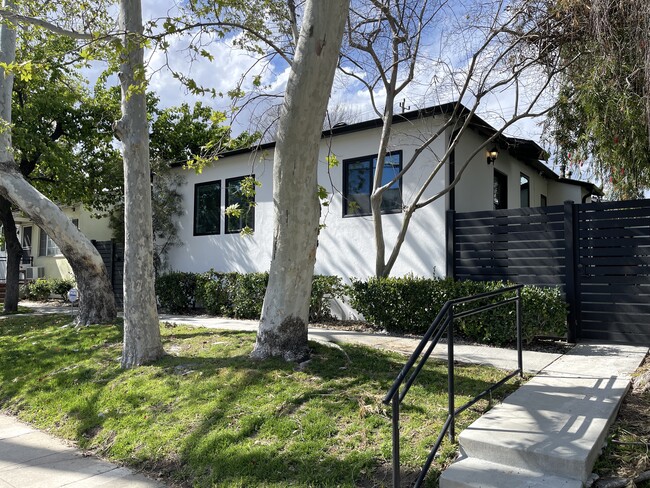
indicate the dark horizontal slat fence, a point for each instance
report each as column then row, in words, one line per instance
column 112, row 254
column 614, row 270
column 598, row 253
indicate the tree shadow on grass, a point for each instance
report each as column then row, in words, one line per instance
column 264, row 422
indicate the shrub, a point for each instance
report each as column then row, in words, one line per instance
column 176, row 291
column 323, row 289
column 246, row 294
column 212, row 292
column 409, row 305
column 38, row 290
column 61, row 286
column 237, row 295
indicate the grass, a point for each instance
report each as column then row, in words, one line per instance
column 207, row 415
column 20, row 310
column 627, row 453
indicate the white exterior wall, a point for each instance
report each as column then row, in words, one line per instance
column 346, row 244
column 562, row 192
column 474, row 192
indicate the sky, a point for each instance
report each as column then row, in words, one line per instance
column 225, row 71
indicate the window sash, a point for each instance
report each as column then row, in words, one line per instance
column 207, row 208
column 246, row 204
column 358, row 177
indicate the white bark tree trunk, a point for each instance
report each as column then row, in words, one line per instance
column 142, row 342
column 96, row 301
column 283, row 326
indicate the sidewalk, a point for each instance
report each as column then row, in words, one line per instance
column 33, row 459
column 493, row 356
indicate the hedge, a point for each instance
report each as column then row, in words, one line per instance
column 403, row 305
column 409, row 305
column 237, row 295
column 42, row 288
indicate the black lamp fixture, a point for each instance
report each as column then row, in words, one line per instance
column 492, row 155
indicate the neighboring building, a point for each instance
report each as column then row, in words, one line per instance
column 41, row 256
column 346, row 244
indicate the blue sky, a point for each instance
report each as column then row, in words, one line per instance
column 230, row 62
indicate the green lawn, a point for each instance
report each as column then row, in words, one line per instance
column 207, row 415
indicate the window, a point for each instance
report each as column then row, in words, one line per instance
column 46, row 246
column 358, row 175
column 207, row 205
column 542, row 200
column 500, row 190
column 524, row 190
column 244, row 217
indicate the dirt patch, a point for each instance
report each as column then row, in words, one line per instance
column 627, row 454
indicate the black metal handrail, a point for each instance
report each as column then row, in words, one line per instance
column 444, row 323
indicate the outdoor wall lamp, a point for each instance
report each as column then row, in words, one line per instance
column 492, row 155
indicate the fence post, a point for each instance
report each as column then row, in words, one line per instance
column 450, row 374
column 570, row 244
column 396, row 460
column 450, row 223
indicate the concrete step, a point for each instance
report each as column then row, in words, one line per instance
column 476, row 473
column 551, row 424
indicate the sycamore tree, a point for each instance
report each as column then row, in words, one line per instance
column 62, row 140
column 97, row 304
column 389, row 43
column 141, row 329
column 306, row 38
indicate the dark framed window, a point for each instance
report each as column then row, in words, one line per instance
column 542, row 200
column 524, row 190
column 500, row 190
column 245, row 216
column 358, row 175
column 207, row 206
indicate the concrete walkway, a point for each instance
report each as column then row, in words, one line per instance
column 551, row 430
column 32, row 459
column 546, row 434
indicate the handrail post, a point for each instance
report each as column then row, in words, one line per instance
column 396, row 474
column 450, row 373
column 520, row 360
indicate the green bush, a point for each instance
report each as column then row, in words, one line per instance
column 246, row 294
column 323, row 289
column 237, row 295
column 176, row 291
column 61, row 286
column 38, row 290
column 212, row 292
column 409, row 305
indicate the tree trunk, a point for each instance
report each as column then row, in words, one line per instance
column 283, row 326
column 142, row 343
column 14, row 256
column 96, row 301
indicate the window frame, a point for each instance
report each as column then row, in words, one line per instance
column 346, row 213
column 250, row 210
column 195, row 226
column 543, row 201
column 46, row 244
column 504, row 204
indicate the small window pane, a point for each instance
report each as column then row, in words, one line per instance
column 359, row 175
column 207, row 203
column 542, row 200
column 500, row 190
column 234, row 196
column 358, row 188
column 524, row 190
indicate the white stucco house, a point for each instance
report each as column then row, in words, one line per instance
column 346, row 247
